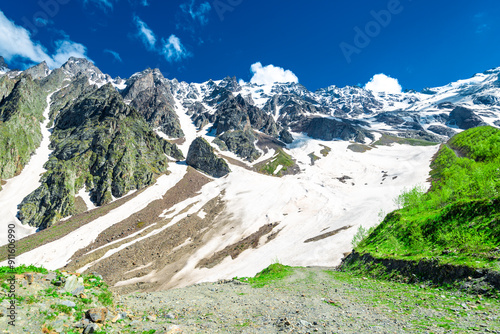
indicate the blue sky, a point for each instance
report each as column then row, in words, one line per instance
column 323, row 42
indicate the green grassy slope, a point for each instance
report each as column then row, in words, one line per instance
column 457, row 220
column 22, row 103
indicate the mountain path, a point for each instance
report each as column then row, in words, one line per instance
column 312, row 300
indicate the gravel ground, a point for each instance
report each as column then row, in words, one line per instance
column 310, row 300
column 313, row 300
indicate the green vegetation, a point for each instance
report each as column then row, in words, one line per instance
column 281, row 158
column 273, row 273
column 101, row 143
column 325, row 150
column 386, row 140
column 457, row 220
column 21, row 112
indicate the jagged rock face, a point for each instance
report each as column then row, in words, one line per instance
column 3, row 64
column 202, row 157
column 240, row 142
column 218, row 95
column 488, row 100
column 158, row 111
column 78, row 87
column 465, row 118
column 442, row 130
column 400, row 120
column 21, row 111
column 102, row 103
column 38, row 71
column 286, row 136
column 101, row 143
column 231, row 84
column 151, row 95
column 236, row 114
column 330, row 129
column 75, row 66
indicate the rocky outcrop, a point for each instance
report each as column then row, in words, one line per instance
column 286, row 136
column 3, row 65
column 486, row 99
column 38, row 71
column 64, row 97
column 442, row 130
column 150, row 94
column 101, row 143
column 21, row 112
column 465, row 118
column 231, row 84
column 240, row 142
column 330, row 129
column 235, row 114
column 202, row 157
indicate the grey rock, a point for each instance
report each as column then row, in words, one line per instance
column 202, row 157
column 74, row 285
column 150, row 94
column 239, row 142
column 329, row 129
column 442, row 130
column 91, row 328
column 38, row 71
column 67, row 303
column 97, row 315
column 235, row 113
column 286, row 136
column 3, row 64
column 465, row 118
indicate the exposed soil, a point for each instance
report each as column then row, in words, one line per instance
column 234, row 250
column 328, row 234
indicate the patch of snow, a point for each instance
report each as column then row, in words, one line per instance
column 86, row 198
column 202, row 214
column 187, row 125
column 280, row 167
column 18, row 187
column 56, row 254
column 306, row 204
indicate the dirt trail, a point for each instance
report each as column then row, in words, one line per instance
column 313, row 300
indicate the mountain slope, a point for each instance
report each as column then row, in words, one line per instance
column 99, row 143
column 21, row 111
column 457, row 220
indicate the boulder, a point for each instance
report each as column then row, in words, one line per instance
column 202, row 157
column 97, row 315
column 465, row 118
column 74, row 285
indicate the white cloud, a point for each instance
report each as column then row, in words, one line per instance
column 16, row 43
column 197, row 13
column 173, row 50
column 147, row 35
column 115, row 55
column 383, row 83
column 270, row 74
